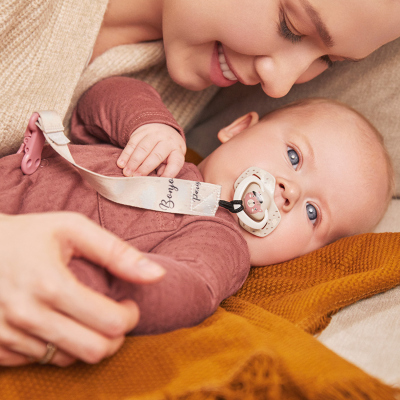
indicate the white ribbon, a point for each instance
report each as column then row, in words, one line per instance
column 152, row 193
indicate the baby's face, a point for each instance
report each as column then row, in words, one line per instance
column 318, row 164
column 273, row 42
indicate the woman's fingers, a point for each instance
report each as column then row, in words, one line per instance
column 18, row 348
column 11, row 359
column 84, row 324
column 15, row 340
column 61, row 359
column 41, row 299
column 97, row 312
column 69, row 336
column 86, row 239
column 21, row 330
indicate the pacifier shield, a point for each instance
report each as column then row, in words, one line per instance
column 255, row 188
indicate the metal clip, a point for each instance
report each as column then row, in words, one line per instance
column 32, row 146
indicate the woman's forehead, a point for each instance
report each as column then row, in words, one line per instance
column 353, row 28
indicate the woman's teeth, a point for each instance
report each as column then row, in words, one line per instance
column 226, row 72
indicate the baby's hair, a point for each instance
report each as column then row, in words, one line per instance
column 364, row 126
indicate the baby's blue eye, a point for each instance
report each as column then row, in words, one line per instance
column 312, row 213
column 293, row 157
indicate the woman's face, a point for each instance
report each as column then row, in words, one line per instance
column 273, row 42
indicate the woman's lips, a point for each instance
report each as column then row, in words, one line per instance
column 220, row 72
column 226, row 71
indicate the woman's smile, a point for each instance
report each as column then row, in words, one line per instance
column 275, row 43
column 221, row 73
column 226, row 71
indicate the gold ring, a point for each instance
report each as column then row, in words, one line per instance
column 50, row 351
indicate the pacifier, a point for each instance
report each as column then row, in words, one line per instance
column 253, row 202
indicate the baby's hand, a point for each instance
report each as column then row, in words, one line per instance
column 151, row 146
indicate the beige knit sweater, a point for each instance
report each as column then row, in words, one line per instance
column 44, row 49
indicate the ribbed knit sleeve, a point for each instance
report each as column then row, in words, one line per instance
column 112, row 109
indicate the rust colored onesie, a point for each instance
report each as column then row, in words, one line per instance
column 206, row 258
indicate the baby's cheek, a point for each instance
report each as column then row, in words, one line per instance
column 289, row 240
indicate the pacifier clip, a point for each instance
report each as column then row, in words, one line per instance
column 159, row 193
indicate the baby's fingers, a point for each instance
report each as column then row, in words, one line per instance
column 126, row 153
column 139, row 138
column 156, row 157
column 173, row 165
column 140, row 153
column 151, row 145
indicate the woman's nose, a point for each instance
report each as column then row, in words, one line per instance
column 288, row 194
column 278, row 73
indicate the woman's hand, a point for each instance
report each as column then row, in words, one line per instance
column 153, row 146
column 42, row 302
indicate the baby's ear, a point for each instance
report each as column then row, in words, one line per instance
column 237, row 126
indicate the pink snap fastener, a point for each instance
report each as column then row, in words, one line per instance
column 32, row 146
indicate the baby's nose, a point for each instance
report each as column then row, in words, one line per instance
column 288, row 193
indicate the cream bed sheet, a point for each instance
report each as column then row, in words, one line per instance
column 367, row 333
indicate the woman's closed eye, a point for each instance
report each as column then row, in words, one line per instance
column 293, row 157
column 285, row 31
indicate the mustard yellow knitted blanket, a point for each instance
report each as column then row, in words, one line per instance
column 258, row 345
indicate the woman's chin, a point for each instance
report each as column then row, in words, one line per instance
column 189, row 81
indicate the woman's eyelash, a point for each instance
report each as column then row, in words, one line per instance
column 327, row 61
column 286, row 33
column 284, row 30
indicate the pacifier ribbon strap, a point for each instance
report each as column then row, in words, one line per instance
column 153, row 193
column 230, row 205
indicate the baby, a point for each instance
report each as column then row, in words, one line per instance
column 333, row 179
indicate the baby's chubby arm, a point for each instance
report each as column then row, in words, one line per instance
column 205, row 258
column 202, row 270
column 130, row 114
